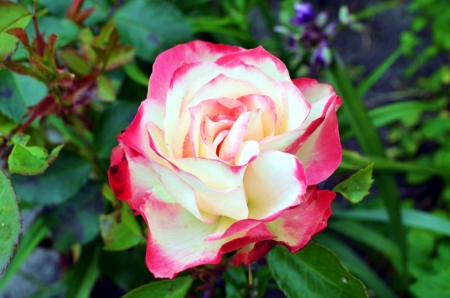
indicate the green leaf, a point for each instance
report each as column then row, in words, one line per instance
column 120, row 229
column 133, row 72
column 83, row 276
column 371, row 144
column 28, row 243
column 356, row 265
column 314, row 271
column 235, row 280
column 120, row 55
column 75, row 61
column 59, row 182
column 13, row 16
column 17, row 93
column 176, row 288
column 105, row 89
column 370, row 237
column 432, row 286
column 111, row 122
column 422, row 244
column 10, row 222
column 6, row 125
column 357, row 186
column 151, row 26
column 75, row 221
column 68, row 133
column 30, row 160
column 411, row 218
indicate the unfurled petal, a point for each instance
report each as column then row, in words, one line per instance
column 273, row 182
column 133, row 179
column 296, row 226
column 176, row 239
column 321, row 154
column 263, row 60
column 167, row 62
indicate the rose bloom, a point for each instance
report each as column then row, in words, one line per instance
column 224, row 155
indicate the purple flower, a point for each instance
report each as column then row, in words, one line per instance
column 321, row 56
column 304, row 14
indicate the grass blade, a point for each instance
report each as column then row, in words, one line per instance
column 353, row 161
column 411, row 218
column 83, row 276
column 27, row 244
column 385, row 115
column 371, row 144
column 371, row 238
column 371, row 79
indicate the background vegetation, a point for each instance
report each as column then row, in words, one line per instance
column 73, row 73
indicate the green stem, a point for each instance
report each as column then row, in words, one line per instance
column 372, row 145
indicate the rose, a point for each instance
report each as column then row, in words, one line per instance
column 224, row 154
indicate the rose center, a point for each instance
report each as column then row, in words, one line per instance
column 216, row 129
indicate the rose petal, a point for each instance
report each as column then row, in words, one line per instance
column 202, row 201
column 223, row 86
column 318, row 95
column 181, row 81
column 133, row 179
column 253, row 252
column 259, row 57
column 213, row 173
column 269, row 114
column 136, row 136
column 233, row 140
column 176, row 239
column 267, row 85
column 167, row 62
column 273, row 182
column 296, row 226
column 182, row 192
column 209, row 109
column 219, row 87
column 291, row 141
column 228, row 227
column 297, row 108
column 321, row 154
column 247, row 152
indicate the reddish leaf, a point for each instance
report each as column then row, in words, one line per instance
column 24, row 70
column 73, row 10
column 79, row 19
column 39, row 39
column 39, row 65
column 63, row 78
column 49, row 53
column 102, row 39
column 119, row 56
column 82, row 90
column 20, row 34
column 112, row 41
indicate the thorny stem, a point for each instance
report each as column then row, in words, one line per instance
column 26, row 124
